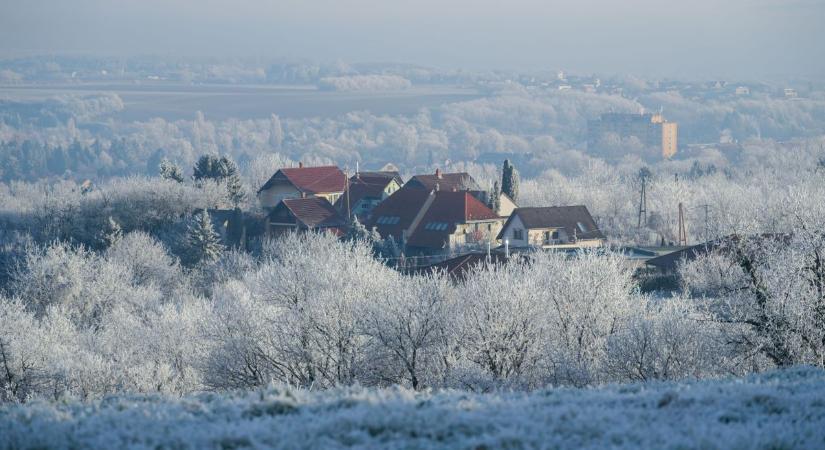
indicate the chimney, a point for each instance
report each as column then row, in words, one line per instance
column 438, row 173
column 300, row 165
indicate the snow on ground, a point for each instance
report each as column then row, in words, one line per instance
column 778, row 410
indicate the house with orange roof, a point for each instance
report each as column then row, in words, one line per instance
column 328, row 182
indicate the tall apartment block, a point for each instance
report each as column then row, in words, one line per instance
column 651, row 129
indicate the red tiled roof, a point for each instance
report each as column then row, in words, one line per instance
column 449, row 208
column 311, row 180
column 312, row 212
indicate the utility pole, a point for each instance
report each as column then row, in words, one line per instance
column 643, row 203
column 707, row 226
column 682, row 231
column 346, row 187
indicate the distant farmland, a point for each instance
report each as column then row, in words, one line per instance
column 217, row 102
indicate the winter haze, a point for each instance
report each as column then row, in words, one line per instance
column 426, row 225
column 742, row 38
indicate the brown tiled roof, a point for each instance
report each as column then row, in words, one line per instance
column 567, row 217
column 459, row 181
column 312, row 212
column 403, row 204
column 362, row 187
column 311, row 180
column 450, row 208
column 457, row 268
column 378, row 176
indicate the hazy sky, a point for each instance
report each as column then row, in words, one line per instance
column 724, row 38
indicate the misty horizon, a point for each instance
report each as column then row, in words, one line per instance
column 764, row 39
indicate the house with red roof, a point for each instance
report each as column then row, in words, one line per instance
column 305, row 214
column 328, row 182
column 435, row 223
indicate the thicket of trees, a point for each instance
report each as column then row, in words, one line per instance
column 312, row 310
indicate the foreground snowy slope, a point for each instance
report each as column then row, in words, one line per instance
column 779, row 410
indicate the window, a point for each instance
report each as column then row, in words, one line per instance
column 518, row 234
column 556, row 234
column 436, row 226
column 388, row 220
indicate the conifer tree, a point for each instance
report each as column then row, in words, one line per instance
column 509, row 180
column 235, row 189
column 203, row 242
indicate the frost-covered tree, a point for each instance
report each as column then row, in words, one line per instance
column 494, row 200
column 23, row 357
column 501, row 327
column 276, row 132
column 112, row 233
column 306, row 298
column 203, row 242
column 411, row 338
column 170, row 171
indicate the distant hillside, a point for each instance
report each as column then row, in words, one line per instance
column 779, row 410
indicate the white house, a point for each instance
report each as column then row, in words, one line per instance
column 551, row 227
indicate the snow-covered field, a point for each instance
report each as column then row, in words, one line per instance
column 778, row 410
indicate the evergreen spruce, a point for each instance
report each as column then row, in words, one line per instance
column 204, row 244
column 510, row 180
column 235, row 189
column 170, row 171
column 222, row 170
column 212, row 167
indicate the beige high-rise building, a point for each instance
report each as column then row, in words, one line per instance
column 669, row 139
column 653, row 130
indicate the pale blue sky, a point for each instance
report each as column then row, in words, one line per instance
column 744, row 38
